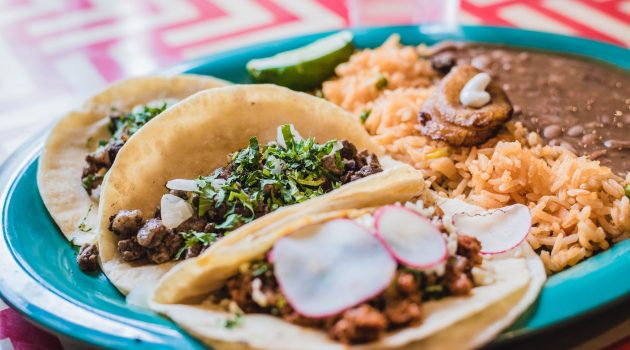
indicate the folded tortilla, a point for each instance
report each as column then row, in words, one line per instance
column 76, row 135
column 471, row 320
column 194, row 138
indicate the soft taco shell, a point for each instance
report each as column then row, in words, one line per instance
column 194, row 138
column 479, row 329
column 63, row 157
column 259, row 331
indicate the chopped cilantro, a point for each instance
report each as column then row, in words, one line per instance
column 88, row 181
column 628, row 190
column 260, row 268
column 364, row 115
column 233, row 221
column 381, row 82
column 233, row 321
column 204, row 205
column 289, row 139
column 74, row 246
column 193, row 237
column 129, row 124
column 83, row 227
column 121, row 126
column 433, row 291
column 264, row 178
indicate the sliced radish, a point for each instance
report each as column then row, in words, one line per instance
column 174, row 210
column 182, row 185
column 498, row 230
column 327, row 268
column 410, row 238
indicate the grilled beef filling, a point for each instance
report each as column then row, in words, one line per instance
column 87, row 257
column 256, row 181
column 255, row 290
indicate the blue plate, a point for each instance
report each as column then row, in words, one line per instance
column 40, row 279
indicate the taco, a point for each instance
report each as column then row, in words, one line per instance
column 228, row 162
column 83, row 144
column 392, row 277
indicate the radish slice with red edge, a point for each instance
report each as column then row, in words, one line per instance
column 327, row 268
column 411, row 238
column 498, row 230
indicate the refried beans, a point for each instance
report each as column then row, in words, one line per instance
column 576, row 103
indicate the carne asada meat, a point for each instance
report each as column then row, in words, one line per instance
column 88, row 258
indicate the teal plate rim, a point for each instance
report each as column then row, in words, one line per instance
column 56, row 299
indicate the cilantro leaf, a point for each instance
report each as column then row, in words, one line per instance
column 83, row 227
column 260, row 179
column 205, row 204
column 233, row 321
column 287, row 135
column 364, row 115
column 259, row 268
column 74, row 246
column 231, row 222
column 88, row 181
column 193, row 237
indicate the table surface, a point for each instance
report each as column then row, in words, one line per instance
column 56, row 53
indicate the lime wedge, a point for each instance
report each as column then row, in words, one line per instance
column 304, row 68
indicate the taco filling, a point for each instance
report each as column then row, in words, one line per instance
column 350, row 279
column 256, row 180
column 121, row 126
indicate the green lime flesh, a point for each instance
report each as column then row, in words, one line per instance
column 304, row 68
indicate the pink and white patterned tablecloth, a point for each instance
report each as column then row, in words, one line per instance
column 54, row 53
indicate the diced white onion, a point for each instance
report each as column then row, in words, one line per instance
column 217, row 184
column 174, row 210
column 277, row 165
column 182, row 185
column 257, row 294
